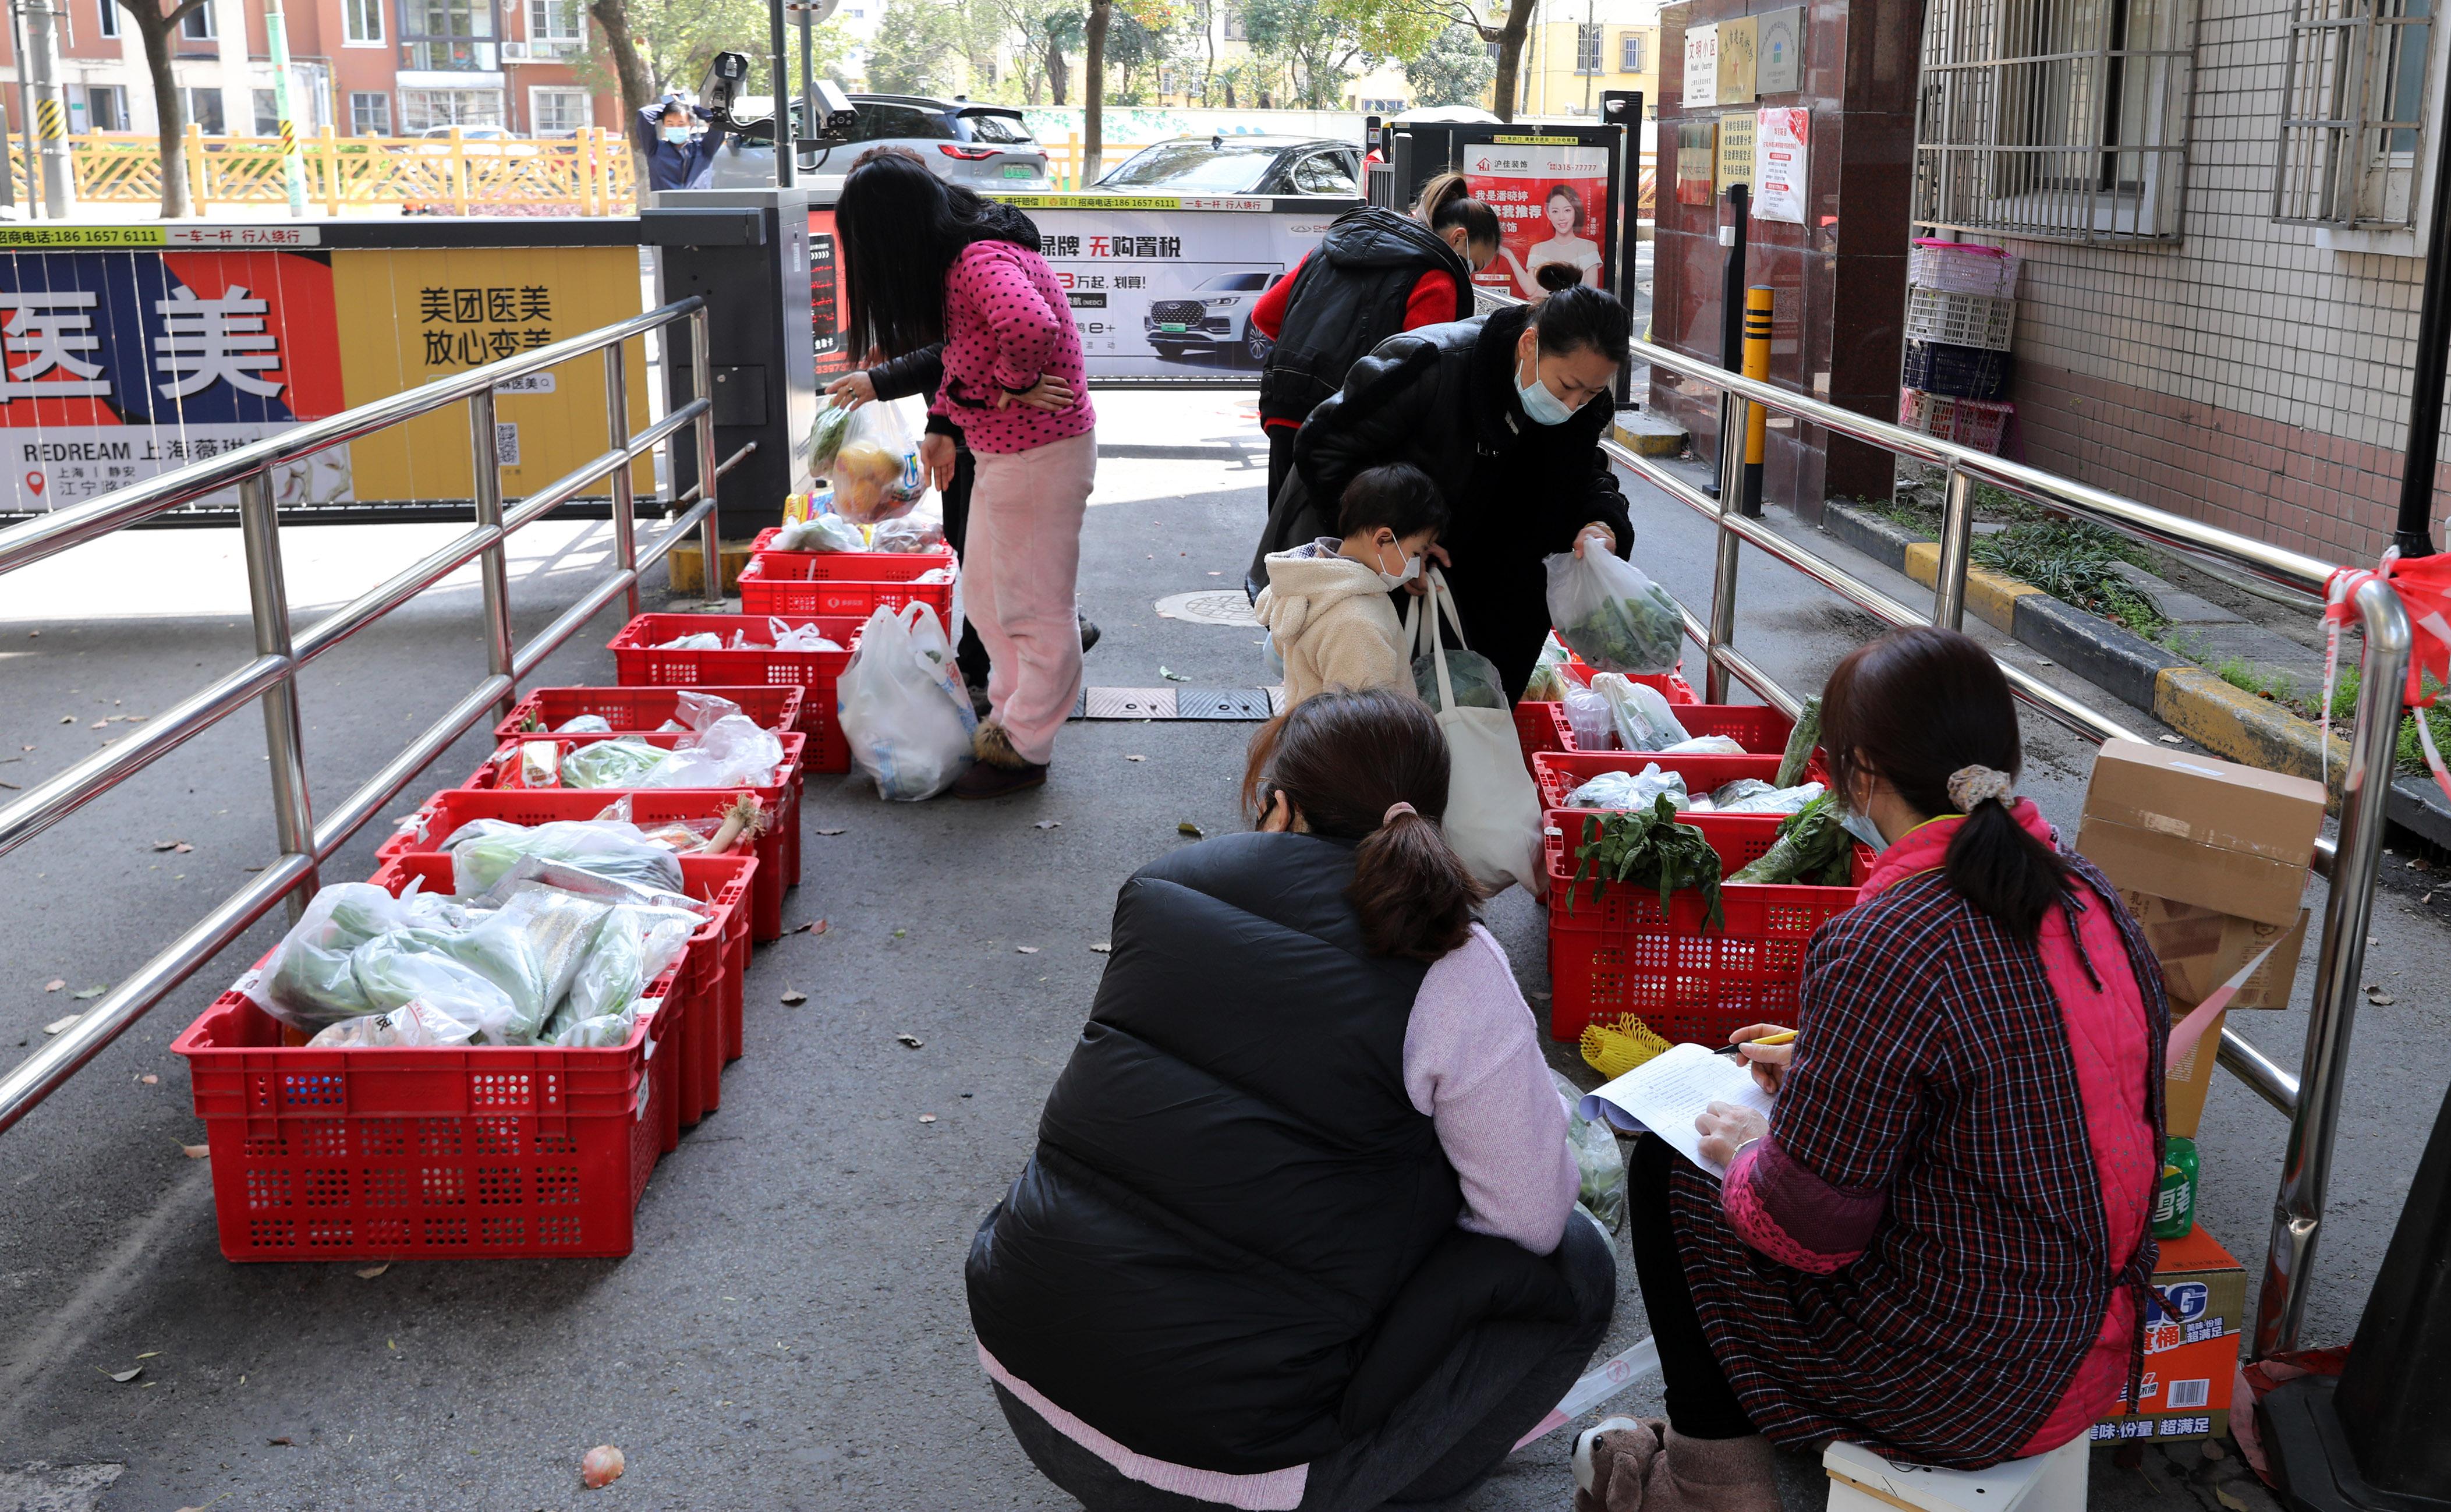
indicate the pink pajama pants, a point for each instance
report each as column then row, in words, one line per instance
column 1022, row 560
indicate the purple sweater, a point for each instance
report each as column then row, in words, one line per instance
column 1006, row 322
column 1473, row 1067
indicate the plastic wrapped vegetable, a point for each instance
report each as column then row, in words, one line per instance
column 820, row 533
column 1800, row 742
column 873, row 466
column 1812, row 847
column 1753, row 796
column 310, row 980
column 1549, row 681
column 1473, row 677
column 1588, row 717
column 632, row 948
column 1704, row 745
column 702, row 641
column 483, row 850
column 732, row 753
column 584, row 724
column 907, row 535
column 1597, row 1160
column 416, row 1024
column 1639, row 712
column 1648, row 848
column 411, row 966
column 611, row 763
column 826, row 437
column 1612, row 615
column 1630, row 790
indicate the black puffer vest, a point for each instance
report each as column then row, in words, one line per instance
column 1347, row 298
column 1235, row 1248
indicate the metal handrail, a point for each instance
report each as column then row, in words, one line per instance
column 2311, row 1099
column 307, row 840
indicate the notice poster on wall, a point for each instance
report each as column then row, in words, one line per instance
column 1701, row 66
column 1735, row 151
column 1781, row 181
column 1552, row 198
column 1694, row 148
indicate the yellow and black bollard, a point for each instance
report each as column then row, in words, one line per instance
column 1756, row 366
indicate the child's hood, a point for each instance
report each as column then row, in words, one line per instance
column 1304, row 582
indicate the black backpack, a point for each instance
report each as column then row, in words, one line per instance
column 1346, row 297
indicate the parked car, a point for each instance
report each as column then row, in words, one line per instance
column 1240, row 164
column 1212, row 317
column 986, row 146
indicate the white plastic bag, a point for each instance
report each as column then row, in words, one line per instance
column 1493, row 818
column 1612, row 615
column 735, row 751
column 1630, row 790
column 869, row 456
column 1704, row 745
column 789, row 636
column 907, row 535
column 702, row 641
column 820, row 533
column 902, row 708
column 693, row 710
column 1641, row 712
column 584, row 724
column 414, row 1023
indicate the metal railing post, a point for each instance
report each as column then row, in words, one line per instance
column 267, row 592
column 1734, row 419
column 493, row 565
column 2307, row 1159
column 1956, row 542
column 617, row 409
column 703, row 386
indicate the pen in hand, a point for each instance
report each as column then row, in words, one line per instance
column 1782, row 1037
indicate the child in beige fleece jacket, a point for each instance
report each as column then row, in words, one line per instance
column 1326, row 607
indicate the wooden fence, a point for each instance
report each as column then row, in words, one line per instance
column 588, row 174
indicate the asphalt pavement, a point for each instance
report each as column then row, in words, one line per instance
column 790, row 1331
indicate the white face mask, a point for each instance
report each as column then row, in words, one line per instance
column 1397, row 579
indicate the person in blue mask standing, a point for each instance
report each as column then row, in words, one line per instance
column 1505, row 413
column 677, row 158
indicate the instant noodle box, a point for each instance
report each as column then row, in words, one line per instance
column 2191, row 1334
column 2211, row 857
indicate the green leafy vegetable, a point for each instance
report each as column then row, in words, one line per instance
column 1800, row 742
column 826, row 436
column 1649, row 847
column 1812, row 848
column 1471, row 676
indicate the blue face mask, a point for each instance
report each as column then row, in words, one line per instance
column 678, row 135
column 1540, row 406
column 1862, row 828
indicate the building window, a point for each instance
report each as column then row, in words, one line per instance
column 267, row 113
column 197, row 25
column 361, row 22
column 449, row 34
column 422, row 110
column 107, row 14
column 1236, row 30
column 369, row 113
column 2060, row 120
column 557, row 112
column 105, row 107
column 1629, row 52
column 2353, row 109
column 1587, row 49
column 554, row 28
column 204, row 111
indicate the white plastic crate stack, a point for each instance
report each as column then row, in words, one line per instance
column 1961, row 315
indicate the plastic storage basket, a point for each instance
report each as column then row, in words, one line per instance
column 1559, row 773
column 639, row 711
column 1962, row 267
column 1620, row 954
column 1968, row 422
column 819, row 582
column 640, row 665
column 1963, row 372
column 1543, row 726
column 1961, row 320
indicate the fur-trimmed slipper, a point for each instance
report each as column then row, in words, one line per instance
column 991, row 744
column 1611, row 1457
column 1649, row 1466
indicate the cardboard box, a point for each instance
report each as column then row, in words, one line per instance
column 2200, row 948
column 2195, row 830
column 2191, row 1350
column 2184, row 1089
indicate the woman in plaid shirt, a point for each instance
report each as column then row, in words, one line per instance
column 1938, row 1242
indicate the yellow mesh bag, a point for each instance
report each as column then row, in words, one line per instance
column 1614, row 1050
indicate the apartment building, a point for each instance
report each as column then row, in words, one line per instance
column 2221, row 208
column 1575, row 49
column 365, row 68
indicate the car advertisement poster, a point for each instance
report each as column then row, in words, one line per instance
column 1552, row 198
column 1163, row 286
column 118, row 366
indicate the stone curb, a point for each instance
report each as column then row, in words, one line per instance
column 2229, row 721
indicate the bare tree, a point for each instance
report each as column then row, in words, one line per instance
column 155, row 26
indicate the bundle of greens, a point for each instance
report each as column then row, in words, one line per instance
column 1800, row 742
column 1473, row 677
column 826, row 439
column 1648, row 848
column 1812, row 848
column 1612, row 615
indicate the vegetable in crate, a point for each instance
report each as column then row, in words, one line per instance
column 483, row 850
column 1630, row 790
column 1648, row 848
column 1612, row 615
column 1800, row 742
column 1639, row 712
column 1812, row 848
column 827, row 532
column 1548, row 682
column 826, row 439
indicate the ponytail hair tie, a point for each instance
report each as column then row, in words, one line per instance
column 1969, row 786
column 1395, row 809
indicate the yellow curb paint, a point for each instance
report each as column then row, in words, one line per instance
column 2236, row 725
column 1923, row 561
column 1993, row 598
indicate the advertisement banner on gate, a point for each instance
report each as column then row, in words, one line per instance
column 1552, row 198
column 1163, row 285
column 117, row 365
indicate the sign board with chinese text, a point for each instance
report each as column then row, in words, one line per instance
column 1702, row 86
column 122, row 361
column 1735, row 159
column 1782, row 181
column 1778, row 51
column 1736, row 62
column 1696, row 147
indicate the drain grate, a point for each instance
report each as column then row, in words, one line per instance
column 1221, row 703
column 1178, row 703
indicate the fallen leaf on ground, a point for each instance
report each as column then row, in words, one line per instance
column 2229, row 1499
column 899, row 934
column 55, row 984
column 927, row 1118
column 601, row 1466
column 370, row 1272
column 150, row 1079
column 99, row 724
column 792, row 999
column 122, row 1377
column 913, row 1041
column 1187, row 827
column 91, row 993
column 813, row 927
column 150, row 1354
column 1027, row 949
column 1135, row 758
column 284, row 1442
column 1104, row 947
column 195, row 1152
column 1048, row 824
column 167, row 845
column 830, row 831
column 58, row 1024
column 2172, row 739
column 2381, row 999
column 181, row 848
column 68, row 718
column 1163, row 672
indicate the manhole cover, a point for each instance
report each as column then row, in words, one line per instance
column 1209, row 607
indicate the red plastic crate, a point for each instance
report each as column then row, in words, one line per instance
column 641, row 666
column 1543, row 726
column 1619, row 953
column 764, row 545
column 709, row 974
column 638, row 711
column 446, row 811
column 1559, row 773
column 826, row 582
column 1670, row 685
column 780, row 797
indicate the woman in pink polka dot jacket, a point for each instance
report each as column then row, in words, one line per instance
column 920, row 270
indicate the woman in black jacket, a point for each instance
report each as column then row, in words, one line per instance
column 1505, row 413
column 1300, row 1230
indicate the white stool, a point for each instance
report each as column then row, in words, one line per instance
column 1861, row 1481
